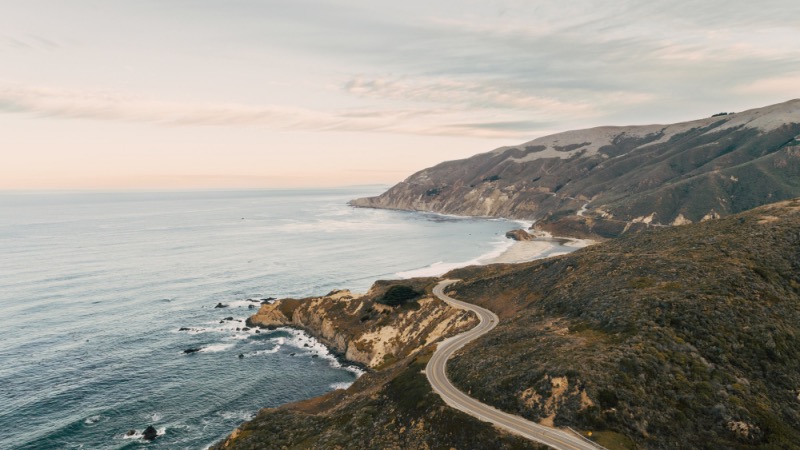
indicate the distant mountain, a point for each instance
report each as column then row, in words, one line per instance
column 608, row 180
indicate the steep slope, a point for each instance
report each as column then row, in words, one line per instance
column 680, row 337
column 604, row 181
column 363, row 329
column 391, row 406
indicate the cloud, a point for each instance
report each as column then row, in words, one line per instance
column 46, row 102
column 489, row 94
column 588, row 58
column 773, row 85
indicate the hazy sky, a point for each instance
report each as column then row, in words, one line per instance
column 265, row 93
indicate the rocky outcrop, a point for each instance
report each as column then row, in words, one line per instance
column 150, row 433
column 617, row 180
column 519, row 235
column 363, row 330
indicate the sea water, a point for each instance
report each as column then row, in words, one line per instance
column 96, row 287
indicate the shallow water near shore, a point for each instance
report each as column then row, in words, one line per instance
column 95, row 288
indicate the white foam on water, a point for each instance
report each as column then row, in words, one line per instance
column 226, row 326
column 341, row 385
column 236, row 415
column 440, row 267
column 270, row 351
column 92, row 420
column 214, row 348
column 241, row 304
column 139, row 434
column 300, row 338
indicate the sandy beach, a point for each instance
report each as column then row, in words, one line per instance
column 524, row 251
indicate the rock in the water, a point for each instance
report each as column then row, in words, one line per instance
column 241, row 355
column 315, row 356
column 519, row 235
column 246, row 329
column 258, row 331
column 292, row 354
column 221, row 305
column 251, row 306
column 228, row 318
column 183, row 329
column 130, row 433
column 150, row 433
column 191, row 350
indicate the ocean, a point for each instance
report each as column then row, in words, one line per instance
column 96, row 287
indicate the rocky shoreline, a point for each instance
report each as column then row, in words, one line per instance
column 363, row 330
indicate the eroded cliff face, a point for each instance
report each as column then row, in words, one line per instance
column 608, row 181
column 363, row 330
column 390, row 407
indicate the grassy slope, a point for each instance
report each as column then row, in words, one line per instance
column 391, row 409
column 676, row 338
column 685, row 337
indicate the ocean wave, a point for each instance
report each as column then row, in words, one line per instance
column 243, row 303
column 270, row 351
column 440, row 267
column 139, row 434
column 94, row 420
column 311, row 346
column 214, row 348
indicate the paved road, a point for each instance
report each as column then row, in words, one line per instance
column 435, row 371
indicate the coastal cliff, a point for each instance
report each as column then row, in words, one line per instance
column 392, row 405
column 607, row 181
column 362, row 328
column 672, row 338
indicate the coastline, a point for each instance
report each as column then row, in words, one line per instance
column 538, row 248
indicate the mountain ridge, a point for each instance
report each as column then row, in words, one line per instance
column 606, row 181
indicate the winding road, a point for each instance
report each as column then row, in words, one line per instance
column 437, row 376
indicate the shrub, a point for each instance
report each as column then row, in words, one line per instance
column 398, row 294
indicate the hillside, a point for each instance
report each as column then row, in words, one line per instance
column 680, row 337
column 608, row 180
column 389, row 330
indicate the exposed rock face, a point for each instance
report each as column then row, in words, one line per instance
column 519, row 235
column 150, row 433
column 363, row 330
column 599, row 181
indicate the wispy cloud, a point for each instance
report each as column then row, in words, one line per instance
column 489, row 94
column 47, row 102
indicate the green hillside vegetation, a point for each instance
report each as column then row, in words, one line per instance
column 399, row 294
column 391, row 409
column 682, row 337
column 679, row 337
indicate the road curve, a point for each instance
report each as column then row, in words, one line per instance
column 437, row 376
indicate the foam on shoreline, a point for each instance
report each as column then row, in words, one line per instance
column 506, row 251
